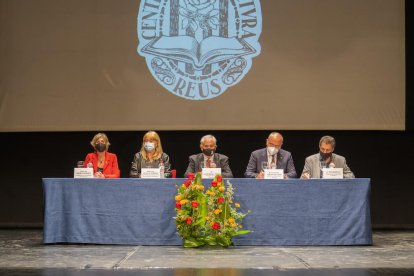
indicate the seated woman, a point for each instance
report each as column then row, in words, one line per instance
column 104, row 163
column 150, row 156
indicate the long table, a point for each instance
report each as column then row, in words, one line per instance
column 141, row 211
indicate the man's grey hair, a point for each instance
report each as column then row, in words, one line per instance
column 274, row 134
column 328, row 140
column 209, row 136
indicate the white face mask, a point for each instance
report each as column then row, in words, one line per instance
column 149, row 146
column 272, row 150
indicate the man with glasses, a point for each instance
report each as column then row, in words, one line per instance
column 209, row 158
column 325, row 159
column 273, row 156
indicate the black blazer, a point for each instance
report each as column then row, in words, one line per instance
column 222, row 161
column 138, row 162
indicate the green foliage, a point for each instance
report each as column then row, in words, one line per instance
column 210, row 217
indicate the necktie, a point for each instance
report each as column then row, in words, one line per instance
column 208, row 163
column 273, row 163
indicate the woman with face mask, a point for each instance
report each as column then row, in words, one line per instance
column 150, row 156
column 104, row 163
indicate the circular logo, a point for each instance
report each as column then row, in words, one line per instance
column 196, row 49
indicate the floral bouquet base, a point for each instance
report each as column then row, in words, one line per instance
column 210, row 217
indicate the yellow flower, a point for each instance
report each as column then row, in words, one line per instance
column 237, row 205
column 178, row 198
column 221, row 189
column 217, row 211
column 184, row 201
column 201, row 187
column 207, row 218
column 209, row 192
column 231, row 220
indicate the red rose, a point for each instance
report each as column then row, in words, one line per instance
column 214, row 183
column 189, row 220
column 219, row 179
column 220, row 200
column 177, row 205
column 190, row 176
column 187, row 183
column 194, row 204
column 216, row 226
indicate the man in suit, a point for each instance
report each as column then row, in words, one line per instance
column 208, row 158
column 325, row 158
column 275, row 157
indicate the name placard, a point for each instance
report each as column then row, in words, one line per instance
column 210, row 173
column 150, row 173
column 273, row 174
column 332, row 173
column 83, row 173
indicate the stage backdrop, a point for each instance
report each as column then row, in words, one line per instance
column 309, row 64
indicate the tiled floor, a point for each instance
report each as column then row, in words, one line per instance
column 22, row 253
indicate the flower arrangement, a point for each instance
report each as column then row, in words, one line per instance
column 210, row 217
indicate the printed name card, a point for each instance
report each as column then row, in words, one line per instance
column 83, row 173
column 210, row 173
column 332, row 173
column 150, row 173
column 273, row 174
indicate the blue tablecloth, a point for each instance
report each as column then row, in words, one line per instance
column 141, row 211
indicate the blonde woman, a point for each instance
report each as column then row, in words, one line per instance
column 104, row 163
column 150, row 156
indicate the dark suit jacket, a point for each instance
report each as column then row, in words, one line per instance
column 222, row 161
column 284, row 161
column 138, row 162
column 110, row 169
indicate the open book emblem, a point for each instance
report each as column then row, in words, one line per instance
column 196, row 49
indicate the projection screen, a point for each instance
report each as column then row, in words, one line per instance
column 202, row 65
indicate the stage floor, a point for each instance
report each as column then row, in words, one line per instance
column 22, row 253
